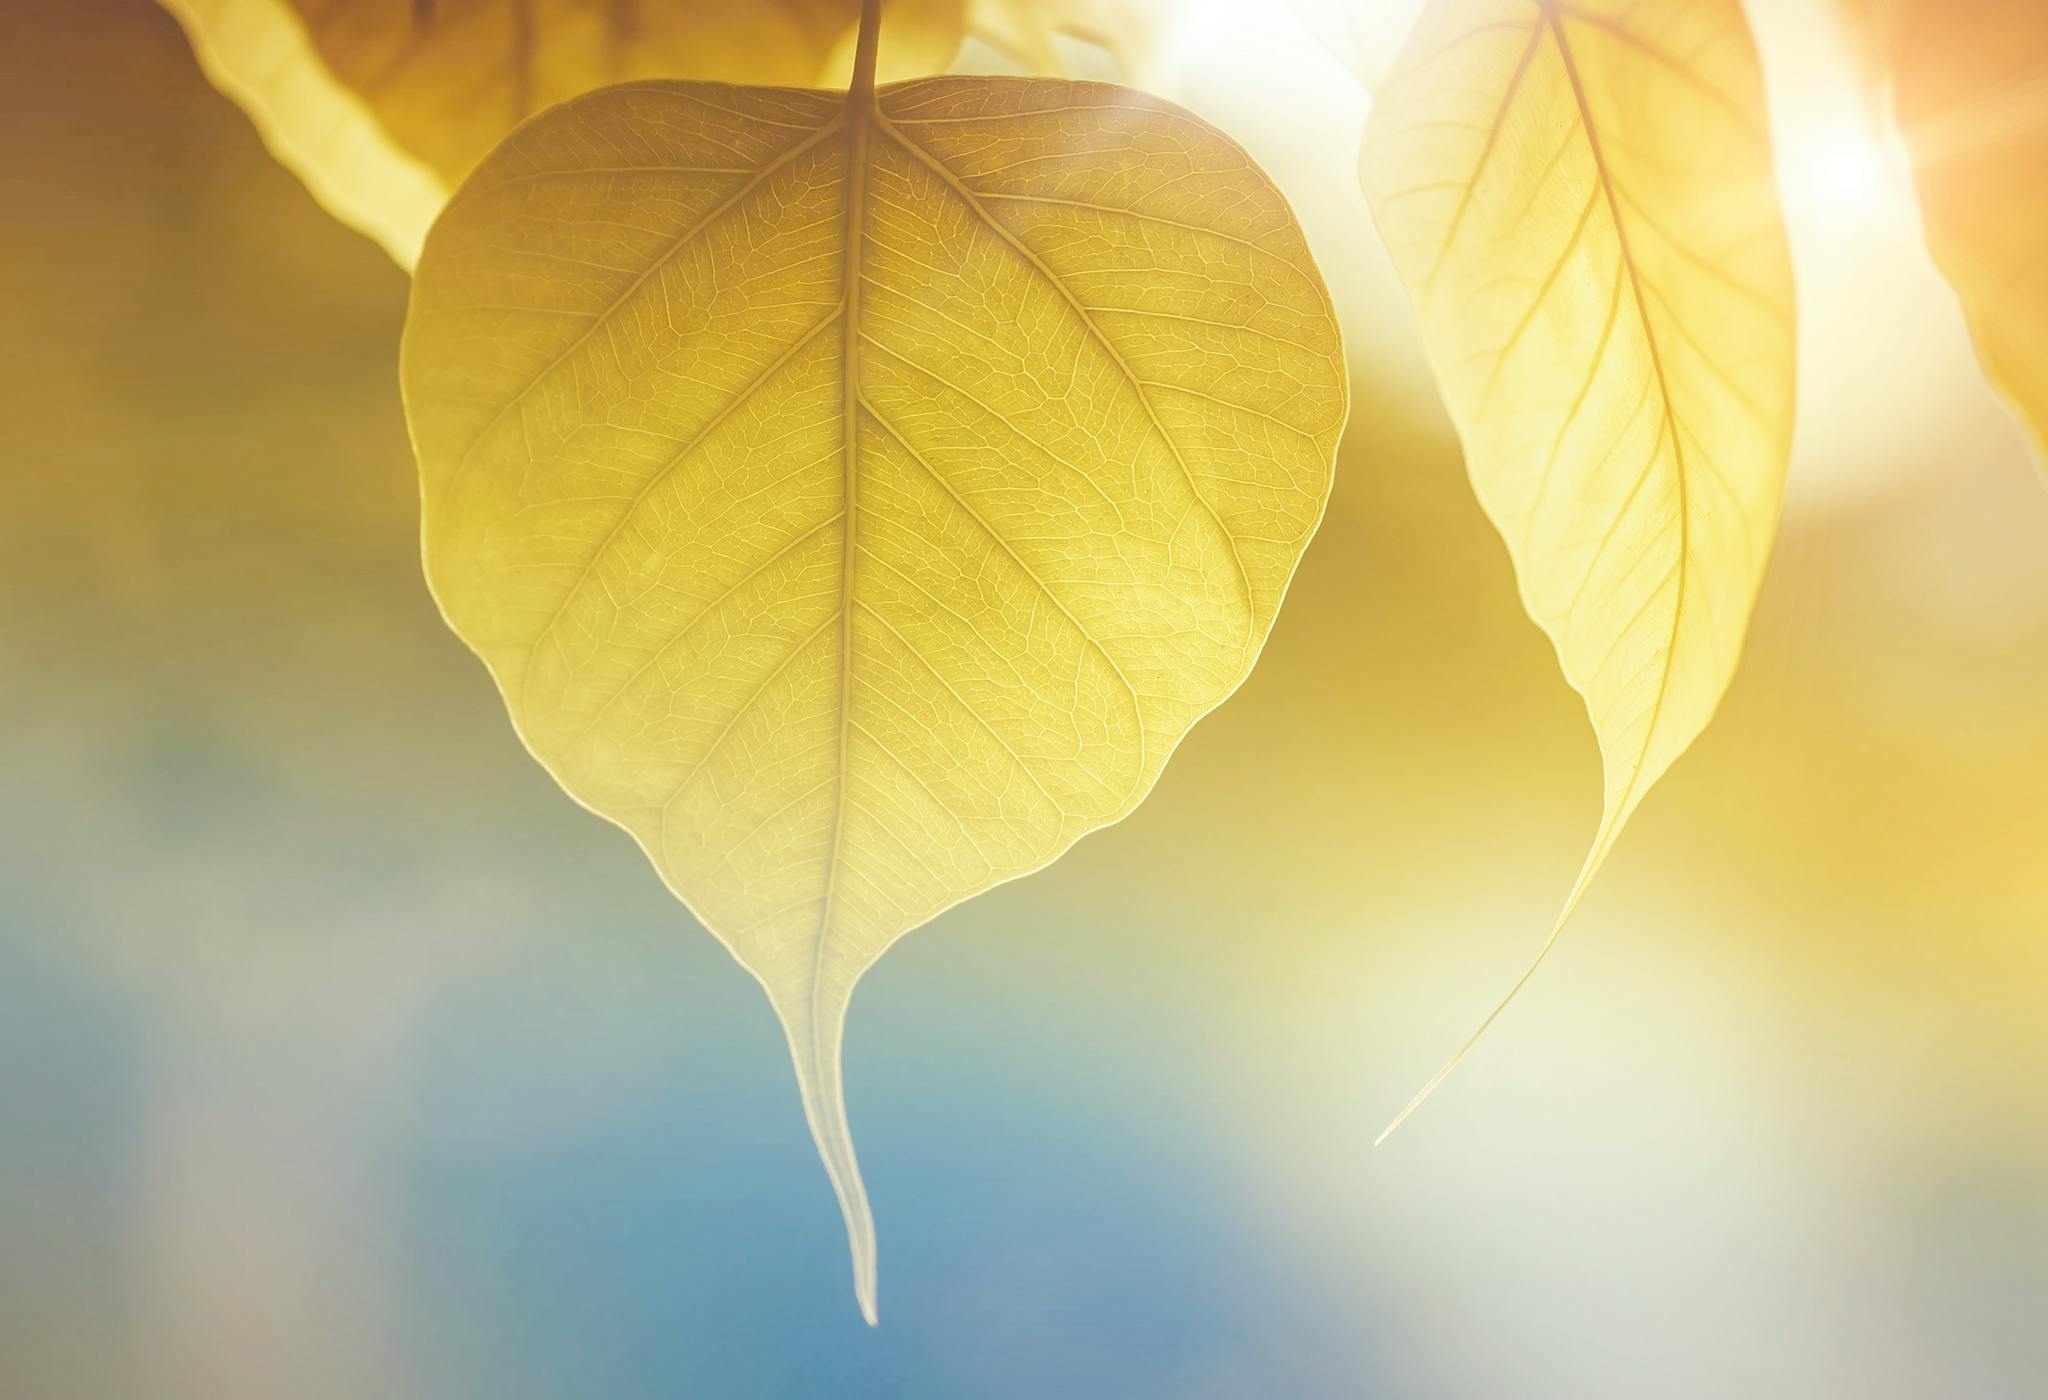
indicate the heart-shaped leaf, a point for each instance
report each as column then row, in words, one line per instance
column 857, row 498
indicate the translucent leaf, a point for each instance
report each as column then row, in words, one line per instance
column 1580, row 201
column 1969, row 90
column 857, row 501
column 382, row 106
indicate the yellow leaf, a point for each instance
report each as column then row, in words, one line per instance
column 1579, row 198
column 1969, row 91
column 1126, row 30
column 858, row 499
column 383, row 106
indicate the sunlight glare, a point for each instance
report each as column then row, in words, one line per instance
column 1885, row 364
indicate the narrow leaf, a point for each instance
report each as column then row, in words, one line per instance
column 382, row 106
column 1580, row 201
column 858, row 499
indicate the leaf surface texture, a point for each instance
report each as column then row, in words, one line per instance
column 859, row 503
column 1579, row 200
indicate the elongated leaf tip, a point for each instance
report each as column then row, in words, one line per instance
column 815, row 1027
column 1611, row 822
column 860, row 1229
column 860, row 1221
column 1585, row 878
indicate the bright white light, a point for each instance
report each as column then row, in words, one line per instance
column 1848, row 166
column 1887, row 379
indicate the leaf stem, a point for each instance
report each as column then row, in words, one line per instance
column 862, row 88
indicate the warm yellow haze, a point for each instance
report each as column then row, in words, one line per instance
column 261, row 54
column 1580, row 201
column 1969, row 90
column 857, row 500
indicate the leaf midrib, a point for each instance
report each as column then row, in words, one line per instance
column 1553, row 16
column 858, row 120
column 862, row 118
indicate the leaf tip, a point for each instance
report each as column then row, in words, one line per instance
column 1556, row 929
column 815, row 1028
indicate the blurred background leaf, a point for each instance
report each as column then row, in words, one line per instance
column 382, row 106
column 1966, row 82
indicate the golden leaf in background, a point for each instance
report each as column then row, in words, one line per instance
column 383, row 106
column 858, row 499
column 1127, row 31
column 1579, row 199
column 1969, row 92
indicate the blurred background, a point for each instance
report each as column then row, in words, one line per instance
column 342, row 1056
